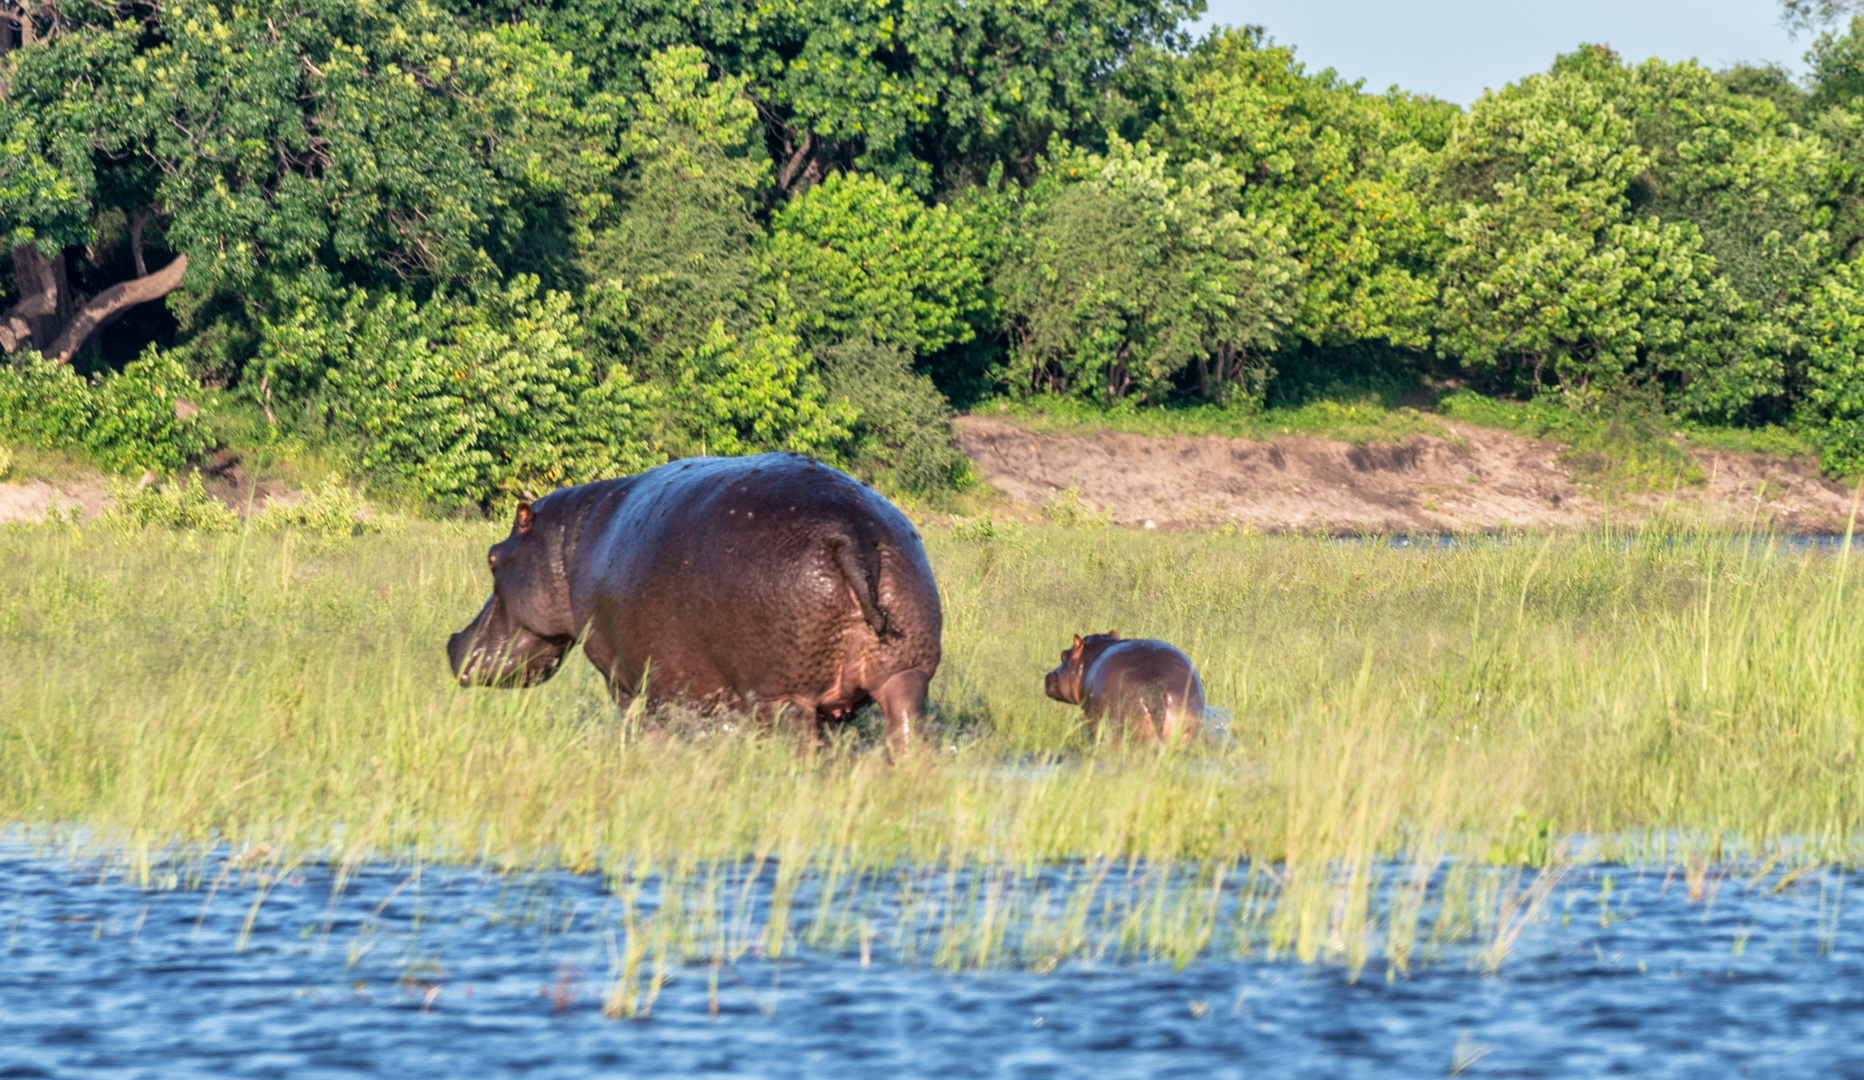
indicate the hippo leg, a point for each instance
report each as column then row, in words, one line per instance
column 1093, row 717
column 791, row 716
column 902, row 701
column 803, row 718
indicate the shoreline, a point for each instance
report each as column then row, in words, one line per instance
column 1477, row 481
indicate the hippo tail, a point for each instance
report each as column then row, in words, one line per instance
column 1179, row 719
column 860, row 565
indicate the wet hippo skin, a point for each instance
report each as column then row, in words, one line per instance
column 757, row 582
column 1138, row 689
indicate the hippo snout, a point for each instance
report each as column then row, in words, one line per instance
column 456, row 654
column 495, row 651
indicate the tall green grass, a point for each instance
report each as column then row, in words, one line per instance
column 1405, row 726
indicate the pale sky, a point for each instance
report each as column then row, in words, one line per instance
column 1452, row 49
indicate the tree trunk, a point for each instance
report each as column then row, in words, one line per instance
column 35, row 319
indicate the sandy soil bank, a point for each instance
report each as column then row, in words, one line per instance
column 1478, row 480
column 224, row 476
column 32, row 500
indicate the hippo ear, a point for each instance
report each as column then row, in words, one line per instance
column 526, row 519
column 1077, row 644
column 1114, row 634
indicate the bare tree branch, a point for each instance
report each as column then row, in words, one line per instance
column 135, row 241
column 112, row 302
column 795, row 162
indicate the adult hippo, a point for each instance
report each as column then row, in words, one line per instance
column 752, row 582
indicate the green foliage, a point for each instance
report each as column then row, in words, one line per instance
column 177, row 504
column 1067, row 511
column 6, row 462
column 1552, row 278
column 1833, row 413
column 676, row 252
column 43, row 403
column 333, row 510
column 472, row 403
column 1837, row 63
column 371, row 142
column 1132, row 273
column 864, row 257
column 901, row 432
column 1734, row 165
column 757, row 393
column 138, row 417
column 924, row 91
column 128, row 421
column 1343, row 173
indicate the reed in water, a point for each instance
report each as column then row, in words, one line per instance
column 1407, row 728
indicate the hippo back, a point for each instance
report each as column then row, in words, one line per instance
column 762, row 577
column 1147, row 690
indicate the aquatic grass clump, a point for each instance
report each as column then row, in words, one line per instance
column 1411, row 729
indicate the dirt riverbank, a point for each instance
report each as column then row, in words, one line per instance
column 85, row 492
column 1476, row 480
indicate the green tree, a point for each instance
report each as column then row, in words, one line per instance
column 1833, row 407
column 1343, row 172
column 675, row 250
column 864, row 257
column 469, row 403
column 128, row 421
column 901, row 434
column 270, row 151
column 923, row 91
column 1132, row 273
column 1762, row 191
column 1553, row 277
column 759, row 393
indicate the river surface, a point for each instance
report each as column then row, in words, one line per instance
column 463, row 973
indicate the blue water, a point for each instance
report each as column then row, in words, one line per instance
column 451, row 972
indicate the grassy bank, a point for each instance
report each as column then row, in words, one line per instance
column 1664, row 698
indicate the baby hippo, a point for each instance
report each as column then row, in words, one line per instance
column 1147, row 691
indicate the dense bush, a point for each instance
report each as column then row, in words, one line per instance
column 333, row 511
column 1134, row 270
column 1834, row 400
column 129, row 421
column 741, row 397
column 864, row 257
column 472, row 403
column 901, row 432
column 182, row 503
column 1345, row 174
